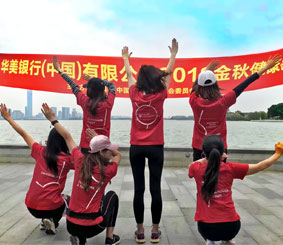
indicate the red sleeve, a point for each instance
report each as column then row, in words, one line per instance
column 239, row 170
column 229, row 99
column 165, row 93
column 82, row 99
column 192, row 98
column 77, row 157
column 110, row 100
column 111, row 170
column 192, row 170
column 36, row 150
column 132, row 91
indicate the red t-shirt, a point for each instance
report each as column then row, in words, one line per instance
column 88, row 201
column 221, row 206
column 210, row 117
column 100, row 122
column 147, row 118
column 45, row 188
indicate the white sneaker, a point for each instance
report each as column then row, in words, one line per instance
column 49, row 226
column 231, row 242
column 42, row 226
column 208, row 242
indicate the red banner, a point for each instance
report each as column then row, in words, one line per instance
column 36, row 72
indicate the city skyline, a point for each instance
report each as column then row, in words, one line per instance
column 64, row 114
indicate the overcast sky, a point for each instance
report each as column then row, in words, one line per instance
column 102, row 28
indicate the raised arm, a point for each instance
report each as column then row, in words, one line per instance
column 173, row 51
column 75, row 88
column 211, row 67
column 116, row 157
column 254, row 168
column 49, row 114
column 269, row 64
column 126, row 55
column 7, row 116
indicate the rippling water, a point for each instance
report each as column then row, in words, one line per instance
column 244, row 134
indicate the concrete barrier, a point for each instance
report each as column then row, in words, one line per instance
column 174, row 157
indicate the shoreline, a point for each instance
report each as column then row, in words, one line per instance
column 173, row 157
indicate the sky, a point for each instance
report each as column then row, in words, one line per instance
column 102, row 27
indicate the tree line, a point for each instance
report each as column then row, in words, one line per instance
column 273, row 112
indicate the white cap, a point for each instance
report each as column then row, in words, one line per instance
column 206, row 78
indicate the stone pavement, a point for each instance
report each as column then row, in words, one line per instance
column 258, row 200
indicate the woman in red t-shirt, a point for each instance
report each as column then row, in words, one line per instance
column 90, row 211
column 210, row 107
column 52, row 163
column 96, row 105
column 215, row 213
column 147, row 140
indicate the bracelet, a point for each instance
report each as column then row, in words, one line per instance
column 54, row 122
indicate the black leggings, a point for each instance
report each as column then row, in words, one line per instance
column 56, row 214
column 85, row 151
column 198, row 154
column 109, row 210
column 155, row 156
column 219, row 231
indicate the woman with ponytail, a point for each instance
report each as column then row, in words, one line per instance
column 210, row 107
column 215, row 213
column 96, row 104
column 44, row 198
column 90, row 211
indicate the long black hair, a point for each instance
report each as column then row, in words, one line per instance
column 151, row 79
column 95, row 91
column 55, row 145
column 213, row 148
column 90, row 161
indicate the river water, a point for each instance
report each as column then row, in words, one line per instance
column 177, row 133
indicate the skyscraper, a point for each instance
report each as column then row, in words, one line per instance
column 54, row 110
column 28, row 109
column 65, row 113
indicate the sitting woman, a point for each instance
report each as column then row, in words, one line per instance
column 52, row 163
column 90, row 211
column 216, row 215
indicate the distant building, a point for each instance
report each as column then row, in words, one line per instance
column 55, row 110
column 65, row 113
column 17, row 115
column 39, row 116
column 28, row 108
column 59, row 114
column 74, row 113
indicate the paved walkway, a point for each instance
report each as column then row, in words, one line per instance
column 258, row 199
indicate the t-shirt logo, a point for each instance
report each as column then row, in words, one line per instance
column 53, row 176
column 146, row 114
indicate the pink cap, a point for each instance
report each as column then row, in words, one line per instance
column 101, row 142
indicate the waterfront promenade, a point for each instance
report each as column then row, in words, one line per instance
column 258, row 199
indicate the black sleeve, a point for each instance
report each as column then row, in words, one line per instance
column 111, row 86
column 75, row 88
column 242, row 86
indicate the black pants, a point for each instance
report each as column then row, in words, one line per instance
column 109, row 210
column 155, row 156
column 56, row 214
column 85, row 151
column 219, row 231
column 198, row 154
